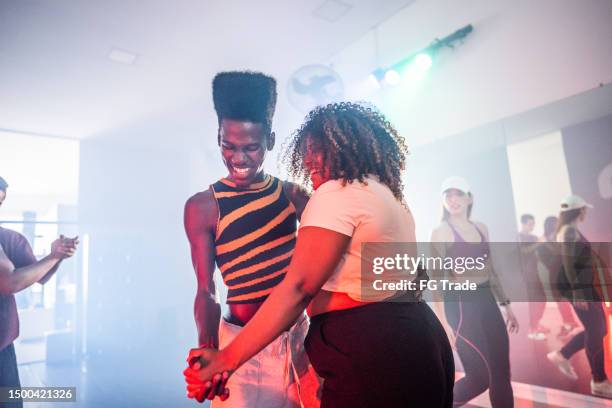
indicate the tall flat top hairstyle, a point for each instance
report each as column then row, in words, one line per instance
column 245, row 96
column 356, row 140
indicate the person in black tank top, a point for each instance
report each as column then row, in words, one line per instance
column 550, row 259
column 576, row 283
column 245, row 224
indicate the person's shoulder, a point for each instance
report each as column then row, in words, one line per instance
column 482, row 227
column 526, row 237
column 568, row 233
column 202, row 207
column 16, row 247
column 568, row 227
column 294, row 190
column 8, row 235
column 201, row 198
column 442, row 232
column 332, row 185
column 297, row 195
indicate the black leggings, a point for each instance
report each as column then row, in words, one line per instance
column 483, row 347
column 591, row 339
column 382, row 355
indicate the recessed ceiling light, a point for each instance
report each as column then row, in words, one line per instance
column 332, row 10
column 122, row 56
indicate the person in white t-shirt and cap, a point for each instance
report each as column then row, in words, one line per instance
column 576, row 283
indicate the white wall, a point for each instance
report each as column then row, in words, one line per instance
column 42, row 172
column 539, row 177
column 522, row 54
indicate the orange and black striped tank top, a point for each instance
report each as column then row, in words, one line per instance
column 255, row 237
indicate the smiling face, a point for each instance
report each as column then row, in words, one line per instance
column 456, row 202
column 314, row 160
column 243, row 149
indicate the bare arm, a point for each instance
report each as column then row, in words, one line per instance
column 6, row 268
column 49, row 274
column 13, row 280
column 439, row 237
column 498, row 288
column 200, row 218
column 496, row 283
column 298, row 197
column 74, row 242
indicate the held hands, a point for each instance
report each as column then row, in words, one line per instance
column 207, row 374
column 511, row 320
column 63, row 247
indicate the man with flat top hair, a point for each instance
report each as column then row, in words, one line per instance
column 245, row 224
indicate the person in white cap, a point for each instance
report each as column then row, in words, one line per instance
column 473, row 319
column 575, row 282
column 551, row 262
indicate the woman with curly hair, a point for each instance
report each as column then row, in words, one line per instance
column 370, row 352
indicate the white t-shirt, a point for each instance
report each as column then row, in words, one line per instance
column 366, row 213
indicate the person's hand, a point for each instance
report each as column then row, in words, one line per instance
column 63, row 247
column 511, row 320
column 193, row 360
column 194, row 354
column 207, row 374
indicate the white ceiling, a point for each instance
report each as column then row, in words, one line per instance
column 56, row 78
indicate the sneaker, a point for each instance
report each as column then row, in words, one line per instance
column 543, row 329
column 566, row 330
column 563, row 364
column 536, row 335
column 602, row 389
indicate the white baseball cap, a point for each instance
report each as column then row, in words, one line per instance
column 458, row 183
column 573, row 202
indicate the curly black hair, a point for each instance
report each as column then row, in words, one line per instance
column 356, row 140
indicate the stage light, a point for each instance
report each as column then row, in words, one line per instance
column 423, row 62
column 392, row 77
column 416, row 65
